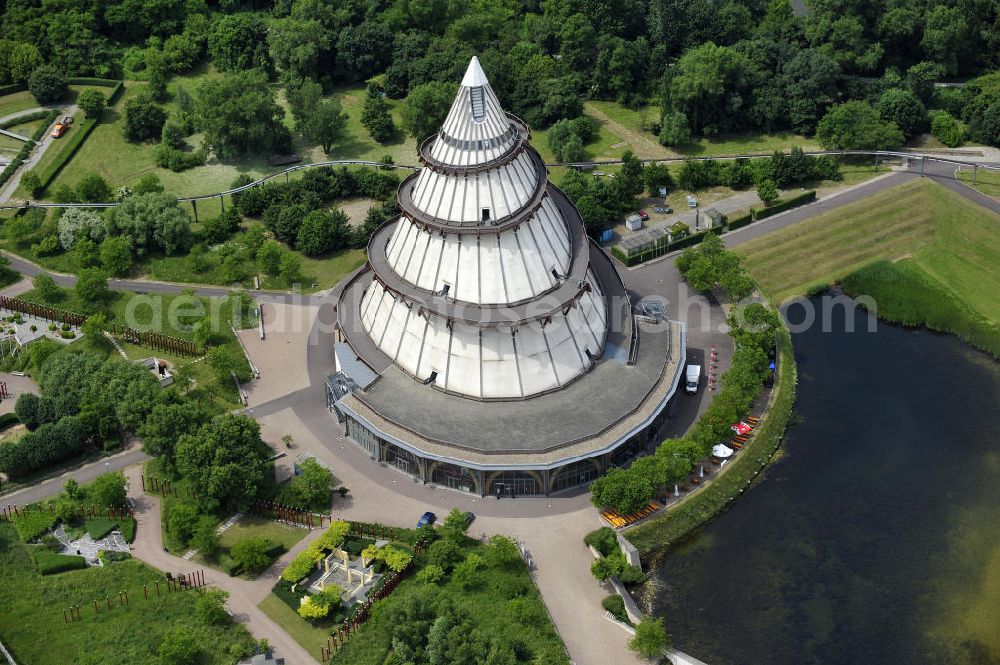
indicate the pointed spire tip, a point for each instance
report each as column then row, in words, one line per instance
column 474, row 75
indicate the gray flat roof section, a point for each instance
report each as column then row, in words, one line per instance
column 599, row 442
column 599, row 410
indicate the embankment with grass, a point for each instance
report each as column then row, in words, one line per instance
column 951, row 240
column 924, row 254
column 33, row 629
column 903, row 293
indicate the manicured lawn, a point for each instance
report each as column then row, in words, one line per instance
column 31, row 617
column 258, row 527
column 634, row 126
column 18, row 101
column 601, row 147
column 121, row 162
column 300, row 630
column 987, row 182
column 951, row 239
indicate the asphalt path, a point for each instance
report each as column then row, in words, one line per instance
column 84, row 474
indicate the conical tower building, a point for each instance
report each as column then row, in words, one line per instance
column 484, row 284
column 485, row 302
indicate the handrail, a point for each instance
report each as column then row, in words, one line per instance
column 662, row 160
column 811, row 153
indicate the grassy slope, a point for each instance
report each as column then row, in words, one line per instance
column 31, row 621
column 631, row 126
column 18, row 101
column 904, row 293
column 987, row 182
column 254, row 527
column 948, row 237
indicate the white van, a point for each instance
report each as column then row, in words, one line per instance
column 692, row 377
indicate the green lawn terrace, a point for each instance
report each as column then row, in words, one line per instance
column 121, row 162
column 34, row 629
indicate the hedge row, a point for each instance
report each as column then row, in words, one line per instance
column 783, row 205
column 76, row 139
column 15, row 163
column 11, row 88
column 21, row 119
column 49, row 444
column 116, row 85
column 8, row 420
column 33, row 524
column 739, row 221
column 50, row 563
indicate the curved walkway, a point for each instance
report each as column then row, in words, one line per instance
column 244, row 595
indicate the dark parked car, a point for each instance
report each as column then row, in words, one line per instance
column 426, row 518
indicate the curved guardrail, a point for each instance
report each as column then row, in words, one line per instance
column 588, row 164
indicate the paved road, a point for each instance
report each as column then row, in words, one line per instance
column 30, row 269
column 7, row 191
column 84, row 474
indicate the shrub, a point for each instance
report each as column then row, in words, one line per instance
column 110, row 556
column 302, row 565
column 8, row 420
column 616, row 605
column 430, row 574
column 945, row 128
column 144, row 118
column 603, row 540
column 128, row 529
column 47, row 84
column 33, row 524
column 251, row 554
column 32, row 183
column 650, row 638
column 92, row 102
column 49, row 563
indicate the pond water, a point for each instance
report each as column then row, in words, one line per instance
column 876, row 536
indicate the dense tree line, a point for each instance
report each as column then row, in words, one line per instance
column 85, row 398
column 298, row 212
column 712, row 65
